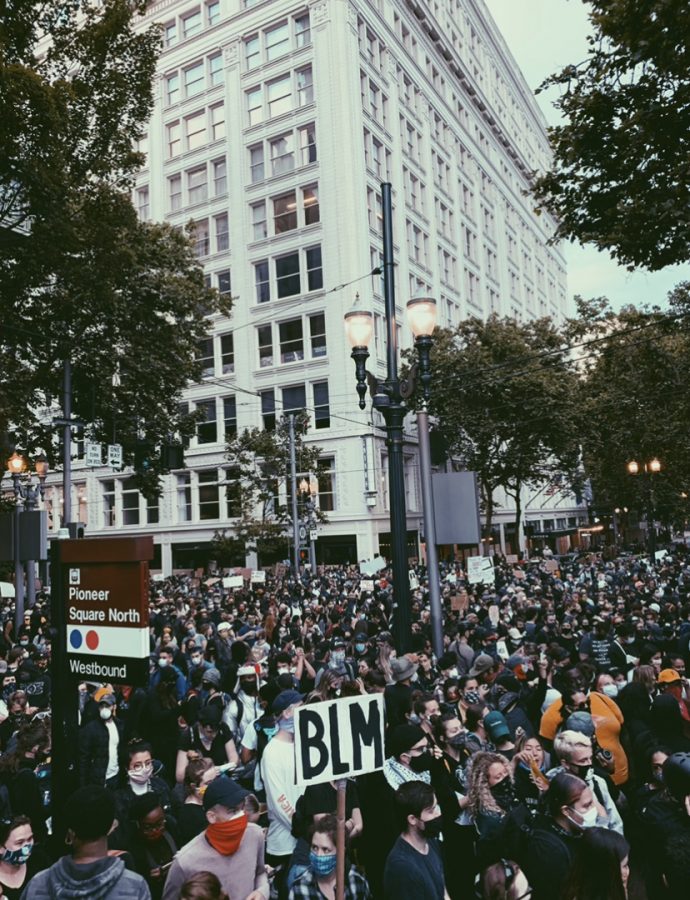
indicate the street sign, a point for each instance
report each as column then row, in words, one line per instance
column 114, row 457
column 340, row 738
column 105, row 593
column 93, row 454
column 313, row 534
column 302, row 533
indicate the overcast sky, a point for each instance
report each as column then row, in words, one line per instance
column 544, row 36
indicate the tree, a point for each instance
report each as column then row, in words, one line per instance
column 635, row 366
column 503, row 395
column 259, row 488
column 81, row 278
column 620, row 175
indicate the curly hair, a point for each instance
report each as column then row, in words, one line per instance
column 479, row 796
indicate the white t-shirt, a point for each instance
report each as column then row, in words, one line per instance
column 282, row 794
column 113, row 743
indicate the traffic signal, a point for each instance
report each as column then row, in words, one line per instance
column 143, row 453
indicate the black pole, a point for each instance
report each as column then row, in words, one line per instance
column 393, row 412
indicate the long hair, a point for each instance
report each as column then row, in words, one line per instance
column 595, row 873
column 479, row 796
column 30, row 735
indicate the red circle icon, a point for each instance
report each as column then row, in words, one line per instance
column 91, row 640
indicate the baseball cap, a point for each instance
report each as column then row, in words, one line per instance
column 224, row 792
column 668, row 676
column 110, row 699
column 284, row 700
column 496, row 726
column 482, row 664
column 223, row 626
column 404, row 737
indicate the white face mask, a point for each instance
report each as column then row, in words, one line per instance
column 611, row 690
column 588, row 819
column 106, row 713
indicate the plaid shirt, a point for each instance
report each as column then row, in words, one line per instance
column 306, row 887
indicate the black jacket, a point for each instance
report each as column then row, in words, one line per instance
column 94, row 744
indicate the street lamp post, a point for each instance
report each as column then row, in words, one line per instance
column 388, row 397
column 26, row 494
column 310, row 491
column 650, row 468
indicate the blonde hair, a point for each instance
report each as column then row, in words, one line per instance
column 479, row 796
column 567, row 741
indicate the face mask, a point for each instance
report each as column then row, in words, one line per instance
column 502, row 792
column 283, row 671
column 611, row 690
column 162, row 663
column 196, row 660
column 17, row 857
column 225, row 837
column 322, row 866
column 191, row 632
column 589, row 819
column 360, row 648
column 24, row 643
column 337, row 658
column 270, row 732
column 419, row 764
column 249, row 687
column 432, row 827
column 141, row 777
column 287, row 725
column 472, row 696
column 582, row 771
column 106, row 713
column 657, row 776
column 453, row 673
column 457, row 740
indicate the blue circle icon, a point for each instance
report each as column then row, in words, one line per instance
column 75, row 639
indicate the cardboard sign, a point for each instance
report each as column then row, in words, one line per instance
column 512, row 559
column 339, row 739
column 551, row 565
column 480, row 570
column 233, row 581
column 459, row 602
column 259, row 577
column 372, row 566
column 519, row 574
column 366, row 584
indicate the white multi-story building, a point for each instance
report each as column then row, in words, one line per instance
column 274, row 124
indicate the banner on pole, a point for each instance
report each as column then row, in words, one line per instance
column 340, row 738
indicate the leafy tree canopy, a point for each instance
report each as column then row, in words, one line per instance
column 620, row 178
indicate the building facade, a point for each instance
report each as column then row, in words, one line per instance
column 275, row 123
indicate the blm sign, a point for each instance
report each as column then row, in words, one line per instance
column 339, row 738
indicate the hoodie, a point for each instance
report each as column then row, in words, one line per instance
column 104, row 879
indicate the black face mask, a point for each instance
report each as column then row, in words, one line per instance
column 249, row 687
column 582, row 771
column 419, row 764
column 433, row 827
column 502, row 792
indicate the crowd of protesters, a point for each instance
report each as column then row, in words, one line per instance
column 544, row 754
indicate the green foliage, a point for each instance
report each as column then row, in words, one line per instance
column 503, row 395
column 620, row 176
column 81, row 278
column 259, row 474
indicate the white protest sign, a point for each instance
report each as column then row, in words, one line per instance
column 414, row 583
column 372, row 566
column 366, row 584
column 233, row 581
column 339, row 738
column 660, row 554
column 480, row 570
column 258, row 577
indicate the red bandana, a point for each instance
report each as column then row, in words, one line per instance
column 225, row 837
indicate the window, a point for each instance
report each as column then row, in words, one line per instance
column 233, row 492
column 215, row 69
column 259, row 226
column 279, row 96
column 264, row 335
column 227, row 354
column 284, row 213
column 209, row 507
column 255, row 105
column 314, row 270
column 213, row 12
column 170, row 34
column 224, row 281
column 325, row 475
column 202, row 237
column 173, row 139
column 263, row 292
column 197, row 185
column 108, row 488
column 294, row 399
column 317, row 334
column 310, row 200
column 268, row 409
column 277, row 41
column 252, row 51
column 302, row 31
column 205, row 357
column 282, row 154
column 220, row 179
column 184, row 497
column 172, row 89
column 194, row 80
column 222, row 236
column 191, row 24
column 152, row 511
column 256, row 163
column 287, row 275
column 206, row 428
column 230, row 416
column 305, row 86
column 143, row 209
column 130, row 502
column 195, row 129
column 307, row 144
column 322, row 413
column 217, row 122
column 291, row 342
